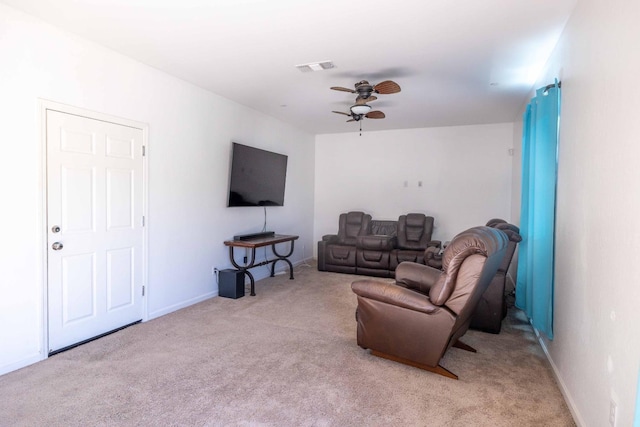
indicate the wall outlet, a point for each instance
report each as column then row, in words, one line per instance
column 613, row 412
column 214, row 271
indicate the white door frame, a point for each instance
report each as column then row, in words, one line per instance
column 43, row 106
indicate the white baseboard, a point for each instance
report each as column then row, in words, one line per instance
column 563, row 388
column 281, row 268
column 30, row 360
column 183, row 304
column 305, row 261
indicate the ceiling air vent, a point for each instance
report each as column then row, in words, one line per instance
column 315, row 66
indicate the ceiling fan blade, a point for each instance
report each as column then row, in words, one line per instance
column 362, row 101
column 387, row 87
column 343, row 89
column 375, row 115
column 351, row 120
column 340, row 112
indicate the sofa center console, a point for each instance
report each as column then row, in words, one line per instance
column 376, row 242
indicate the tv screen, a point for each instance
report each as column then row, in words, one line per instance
column 257, row 177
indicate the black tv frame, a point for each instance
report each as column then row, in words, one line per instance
column 257, row 177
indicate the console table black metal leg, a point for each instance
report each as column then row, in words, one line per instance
column 253, row 283
column 273, row 266
column 245, row 268
column 282, row 258
column 290, row 268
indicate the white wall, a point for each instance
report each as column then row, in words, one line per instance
column 465, row 173
column 596, row 346
column 190, row 135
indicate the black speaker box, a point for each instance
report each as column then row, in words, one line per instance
column 231, row 283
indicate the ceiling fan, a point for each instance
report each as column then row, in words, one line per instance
column 365, row 91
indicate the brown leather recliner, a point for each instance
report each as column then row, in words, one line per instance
column 413, row 238
column 419, row 317
column 337, row 252
column 492, row 307
column 495, row 221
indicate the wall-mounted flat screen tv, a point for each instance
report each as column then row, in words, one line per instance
column 257, row 177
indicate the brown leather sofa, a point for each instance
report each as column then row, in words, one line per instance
column 419, row 317
column 375, row 247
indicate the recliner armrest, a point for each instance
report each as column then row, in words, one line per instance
column 393, row 294
column 417, row 276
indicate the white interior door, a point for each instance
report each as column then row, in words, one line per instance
column 95, row 227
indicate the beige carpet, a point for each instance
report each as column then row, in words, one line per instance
column 286, row 357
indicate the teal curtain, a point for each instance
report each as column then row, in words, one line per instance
column 534, row 284
column 636, row 421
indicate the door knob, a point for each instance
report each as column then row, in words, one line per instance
column 55, row 229
column 57, row 246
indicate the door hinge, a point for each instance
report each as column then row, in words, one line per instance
column 144, row 150
column 143, row 291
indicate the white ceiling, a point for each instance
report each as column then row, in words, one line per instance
column 458, row 62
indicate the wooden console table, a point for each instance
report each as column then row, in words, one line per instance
column 258, row 243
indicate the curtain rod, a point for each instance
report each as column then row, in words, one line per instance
column 547, row 87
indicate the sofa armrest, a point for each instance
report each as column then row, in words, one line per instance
column 322, row 247
column 434, row 243
column 431, row 252
column 393, row 294
column 330, row 238
column 417, row 276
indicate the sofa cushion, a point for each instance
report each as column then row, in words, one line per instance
column 351, row 225
column 372, row 259
column 414, row 231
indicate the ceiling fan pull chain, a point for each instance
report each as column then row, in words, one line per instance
column 360, row 128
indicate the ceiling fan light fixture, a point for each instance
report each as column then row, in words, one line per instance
column 360, row 109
